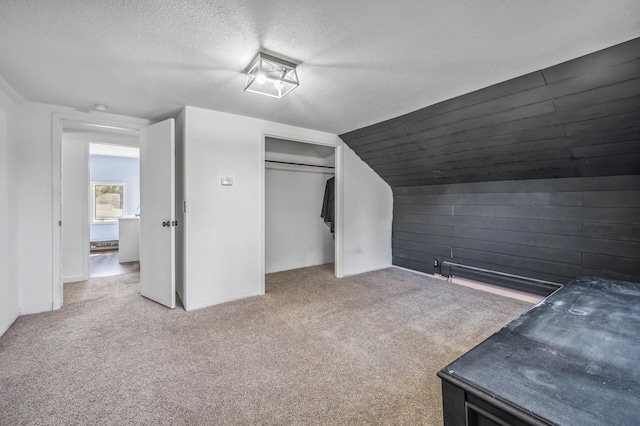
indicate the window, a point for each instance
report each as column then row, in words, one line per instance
column 108, row 201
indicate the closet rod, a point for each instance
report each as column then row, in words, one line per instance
column 298, row 164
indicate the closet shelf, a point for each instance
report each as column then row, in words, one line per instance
column 299, row 164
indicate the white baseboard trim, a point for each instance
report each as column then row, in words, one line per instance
column 379, row 268
column 212, row 302
column 8, row 325
column 496, row 289
column 35, row 309
column 440, row 277
column 489, row 288
column 73, row 279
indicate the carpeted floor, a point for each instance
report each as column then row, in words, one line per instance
column 313, row 350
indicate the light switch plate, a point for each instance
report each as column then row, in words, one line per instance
column 226, row 180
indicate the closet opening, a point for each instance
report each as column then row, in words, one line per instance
column 300, row 209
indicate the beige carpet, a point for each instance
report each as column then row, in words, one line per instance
column 314, row 350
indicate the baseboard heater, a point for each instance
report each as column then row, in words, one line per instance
column 104, row 245
column 516, row 282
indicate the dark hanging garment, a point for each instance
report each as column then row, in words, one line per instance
column 328, row 205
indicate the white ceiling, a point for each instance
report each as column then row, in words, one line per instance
column 361, row 61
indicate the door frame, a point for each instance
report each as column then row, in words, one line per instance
column 339, row 191
column 102, row 121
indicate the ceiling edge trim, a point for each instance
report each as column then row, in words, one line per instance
column 12, row 93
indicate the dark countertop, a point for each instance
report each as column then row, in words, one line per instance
column 573, row 359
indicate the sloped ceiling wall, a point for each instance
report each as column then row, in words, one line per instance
column 577, row 119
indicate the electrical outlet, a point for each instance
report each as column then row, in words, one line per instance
column 435, row 263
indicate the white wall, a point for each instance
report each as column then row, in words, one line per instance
column 295, row 234
column 9, row 289
column 75, row 215
column 368, row 207
column 223, row 223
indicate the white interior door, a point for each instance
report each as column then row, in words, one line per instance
column 75, row 209
column 157, row 213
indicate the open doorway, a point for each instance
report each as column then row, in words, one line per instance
column 299, row 205
column 100, row 202
column 114, row 209
column 157, row 190
column 105, row 129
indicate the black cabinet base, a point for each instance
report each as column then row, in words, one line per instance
column 465, row 405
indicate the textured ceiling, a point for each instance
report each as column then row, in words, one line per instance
column 361, row 62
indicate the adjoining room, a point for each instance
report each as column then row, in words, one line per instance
column 100, row 203
column 114, row 173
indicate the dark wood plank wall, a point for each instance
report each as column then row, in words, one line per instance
column 550, row 229
column 536, row 176
column 579, row 118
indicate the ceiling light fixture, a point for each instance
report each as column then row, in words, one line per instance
column 271, row 76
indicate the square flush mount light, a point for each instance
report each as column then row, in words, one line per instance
column 271, row 76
